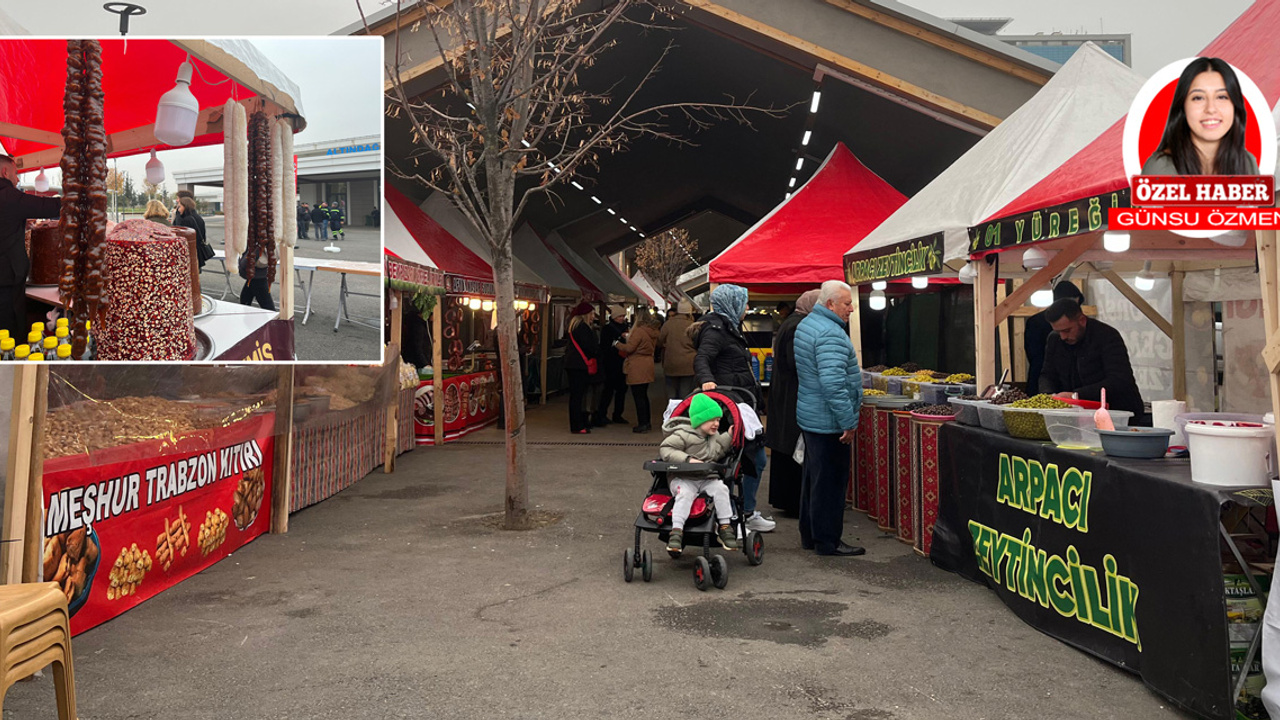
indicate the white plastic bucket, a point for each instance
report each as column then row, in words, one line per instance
column 1231, row 456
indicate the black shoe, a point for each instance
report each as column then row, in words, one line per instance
column 844, row 550
column 600, row 423
column 641, row 428
column 806, row 545
column 621, row 420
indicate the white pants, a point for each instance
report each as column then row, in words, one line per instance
column 686, row 489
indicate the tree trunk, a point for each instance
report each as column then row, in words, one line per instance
column 517, row 501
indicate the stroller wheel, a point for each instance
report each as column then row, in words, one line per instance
column 628, row 565
column 719, row 572
column 753, row 544
column 701, row 573
column 646, row 565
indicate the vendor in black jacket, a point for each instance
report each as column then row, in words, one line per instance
column 16, row 207
column 1084, row 356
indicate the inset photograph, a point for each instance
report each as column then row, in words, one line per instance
column 176, row 201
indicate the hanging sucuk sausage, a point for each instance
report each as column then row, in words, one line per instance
column 259, row 191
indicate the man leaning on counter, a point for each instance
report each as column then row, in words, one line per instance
column 1085, row 355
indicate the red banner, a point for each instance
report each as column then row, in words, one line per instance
column 271, row 342
column 1202, row 190
column 123, row 524
column 470, row 403
column 1193, row 219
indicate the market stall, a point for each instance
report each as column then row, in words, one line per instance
column 103, row 97
column 464, row 361
column 1053, row 530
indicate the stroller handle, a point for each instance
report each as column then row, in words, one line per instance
column 750, row 393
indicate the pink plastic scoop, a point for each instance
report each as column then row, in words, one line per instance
column 1102, row 418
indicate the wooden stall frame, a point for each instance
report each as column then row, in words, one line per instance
column 393, row 405
column 280, row 481
column 22, row 532
column 437, row 363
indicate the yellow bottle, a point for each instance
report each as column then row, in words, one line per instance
column 63, row 322
column 34, row 339
column 36, row 357
column 64, row 338
column 50, row 346
column 64, row 352
column 6, row 348
column 21, row 352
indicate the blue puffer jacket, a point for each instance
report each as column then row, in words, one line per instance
column 830, row 393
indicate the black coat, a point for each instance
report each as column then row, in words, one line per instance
column 722, row 356
column 304, row 216
column 586, row 338
column 783, row 430
column 610, row 360
column 16, row 207
column 1035, row 336
column 1100, row 359
column 318, row 215
column 192, row 220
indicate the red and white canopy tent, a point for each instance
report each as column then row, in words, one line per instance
column 1094, row 179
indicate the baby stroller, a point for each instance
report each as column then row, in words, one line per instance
column 700, row 528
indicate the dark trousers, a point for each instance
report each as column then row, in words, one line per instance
column 822, row 490
column 258, row 289
column 302, row 230
column 13, row 312
column 613, row 393
column 679, row 387
column 640, row 393
column 579, row 419
column 784, row 483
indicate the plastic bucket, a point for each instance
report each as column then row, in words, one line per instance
column 1230, row 456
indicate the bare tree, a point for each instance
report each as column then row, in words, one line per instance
column 512, row 120
column 663, row 258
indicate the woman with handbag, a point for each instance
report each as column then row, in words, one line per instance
column 580, row 362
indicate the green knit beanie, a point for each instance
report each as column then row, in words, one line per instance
column 703, row 409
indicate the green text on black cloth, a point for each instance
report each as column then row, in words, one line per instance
column 1106, row 600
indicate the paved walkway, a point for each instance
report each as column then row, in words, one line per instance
column 399, row 598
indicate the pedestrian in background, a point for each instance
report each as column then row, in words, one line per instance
column 320, row 217
column 678, row 351
column 783, row 431
column 580, row 363
column 638, row 347
column 614, row 391
column 336, row 219
column 828, row 400
column 304, row 219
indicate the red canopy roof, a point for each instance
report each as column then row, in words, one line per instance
column 446, row 251
column 803, row 241
column 133, row 79
column 1250, row 44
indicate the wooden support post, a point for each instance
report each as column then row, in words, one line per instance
column 855, row 325
column 1044, row 276
column 546, row 343
column 393, row 406
column 286, row 276
column 18, row 472
column 437, row 364
column 282, row 479
column 1267, row 272
column 1006, row 355
column 33, row 541
column 984, row 324
column 1138, row 301
column 1179, row 322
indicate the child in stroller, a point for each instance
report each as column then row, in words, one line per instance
column 697, row 439
column 657, row 512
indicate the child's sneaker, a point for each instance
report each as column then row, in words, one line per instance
column 726, row 537
column 675, row 544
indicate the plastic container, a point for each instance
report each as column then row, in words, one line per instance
column 967, row 410
column 1074, row 428
column 893, row 385
column 875, row 400
column 1238, row 456
column 991, row 417
column 938, row 394
column 1025, row 423
column 1136, row 442
column 1211, row 418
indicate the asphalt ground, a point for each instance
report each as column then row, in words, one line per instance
column 400, row 598
column 316, row 340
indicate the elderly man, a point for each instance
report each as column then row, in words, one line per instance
column 16, row 207
column 827, row 405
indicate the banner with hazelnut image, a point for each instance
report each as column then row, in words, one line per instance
column 123, row 524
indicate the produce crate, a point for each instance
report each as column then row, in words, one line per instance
column 967, row 411
column 991, row 417
column 1025, row 423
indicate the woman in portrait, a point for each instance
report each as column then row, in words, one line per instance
column 1205, row 131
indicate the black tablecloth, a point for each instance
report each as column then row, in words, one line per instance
column 1147, row 534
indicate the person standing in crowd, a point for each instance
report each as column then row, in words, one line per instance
column 828, row 400
column 784, row 310
column 190, row 218
column 336, row 218
column 580, row 358
column 304, row 219
column 614, row 391
column 1037, row 331
column 16, row 207
column 639, row 347
column 320, row 217
column 157, row 213
column 783, row 432
column 723, row 359
column 1083, row 356
column 678, row 351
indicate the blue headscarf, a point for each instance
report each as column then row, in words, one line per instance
column 729, row 301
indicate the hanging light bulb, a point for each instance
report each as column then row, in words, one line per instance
column 1042, row 298
column 920, row 282
column 487, row 305
column 968, row 273
column 155, row 170
column 1145, row 280
column 876, row 300
column 42, row 182
column 879, row 285
column 1034, row 258
column 1115, row 241
column 474, row 304
column 177, row 111
column 533, row 306
column 1230, row 238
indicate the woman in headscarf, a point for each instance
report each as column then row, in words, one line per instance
column 723, row 359
column 580, row 355
column 782, row 433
